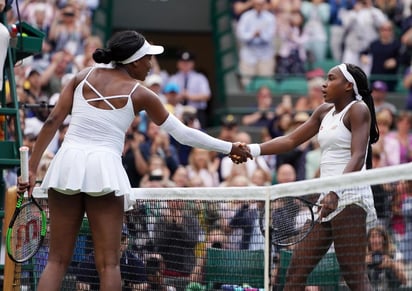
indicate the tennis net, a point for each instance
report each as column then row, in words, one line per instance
column 213, row 238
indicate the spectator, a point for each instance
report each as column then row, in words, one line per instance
column 229, row 128
column 181, row 177
column 407, row 239
column 67, row 31
column 385, row 268
column 403, row 135
column 155, row 267
column 387, row 145
column 250, row 166
column 379, row 94
column 316, row 14
column 360, row 28
column 383, row 56
column 382, row 193
column 132, row 269
column 158, row 142
column 297, row 156
column 264, row 111
column 155, row 83
column 173, row 102
column 314, row 97
column 201, row 165
column 336, row 29
column 255, row 32
column 407, row 83
column 195, row 88
column 85, row 59
column 291, row 56
column 176, row 233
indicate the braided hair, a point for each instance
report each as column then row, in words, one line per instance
column 362, row 83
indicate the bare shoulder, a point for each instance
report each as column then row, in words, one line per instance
column 322, row 109
column 359, row 109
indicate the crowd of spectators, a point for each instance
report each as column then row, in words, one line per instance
column 288, row 36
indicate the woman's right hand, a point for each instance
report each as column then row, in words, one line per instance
column 240, row 153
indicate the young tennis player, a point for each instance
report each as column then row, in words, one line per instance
column 86, row 175
column 346, row 127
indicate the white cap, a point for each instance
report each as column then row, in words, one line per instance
column 146, row 49
column 153, row 79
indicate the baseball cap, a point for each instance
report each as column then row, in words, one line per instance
column 153, row 79
column 379, row 86
column 229, row 120
column 186, row 56
column 171, row 87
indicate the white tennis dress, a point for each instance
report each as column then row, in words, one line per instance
column 335, row 143
column 89, row 159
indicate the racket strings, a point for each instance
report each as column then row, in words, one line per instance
column 25, row 235
column 292, row 219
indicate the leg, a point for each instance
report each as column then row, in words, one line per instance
column 105, row 216
column 350, row 246
column 66, row 215
column 306, row 255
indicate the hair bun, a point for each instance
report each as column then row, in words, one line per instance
column 103, row 55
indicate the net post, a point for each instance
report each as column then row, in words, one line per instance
column 11, row 282
column 268, row 243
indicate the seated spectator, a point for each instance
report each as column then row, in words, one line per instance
column 387, row 145
column 203, row 165
column 173, row 100
column 85, row 59
column 176, row 234
column 155, row 83
column 215, row 238
column 250, row 166
column 264, row 111
column 132, row 270
column 385, row 268
column 406, row 242
column 155, row 267
column 314, row 97
column 380, row 94
column 403, row 135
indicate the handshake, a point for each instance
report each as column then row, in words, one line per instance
column 240, row 153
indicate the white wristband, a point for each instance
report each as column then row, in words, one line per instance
column 254, row 149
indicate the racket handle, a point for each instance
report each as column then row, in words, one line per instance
column 24, row 163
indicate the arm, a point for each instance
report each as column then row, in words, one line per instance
column 145, row 99
column 288, row 142
column 51, row 125
column 358, row 121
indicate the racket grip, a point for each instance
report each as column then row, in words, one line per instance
column 24, row 163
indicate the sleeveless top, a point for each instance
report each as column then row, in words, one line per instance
column 89, row 159
column 335, row 143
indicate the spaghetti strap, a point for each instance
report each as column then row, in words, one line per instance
column 134, row 88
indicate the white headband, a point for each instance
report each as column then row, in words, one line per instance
column 146, row 49
column 349, row 77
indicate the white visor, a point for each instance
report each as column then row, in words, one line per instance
column 146, row 49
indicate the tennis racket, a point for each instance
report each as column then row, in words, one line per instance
column 291, row 220
column 27, row 228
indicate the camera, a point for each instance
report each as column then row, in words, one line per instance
column 155, row 178
column 377, row 258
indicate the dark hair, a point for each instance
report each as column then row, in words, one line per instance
column 120, row 46
column 363, row 87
